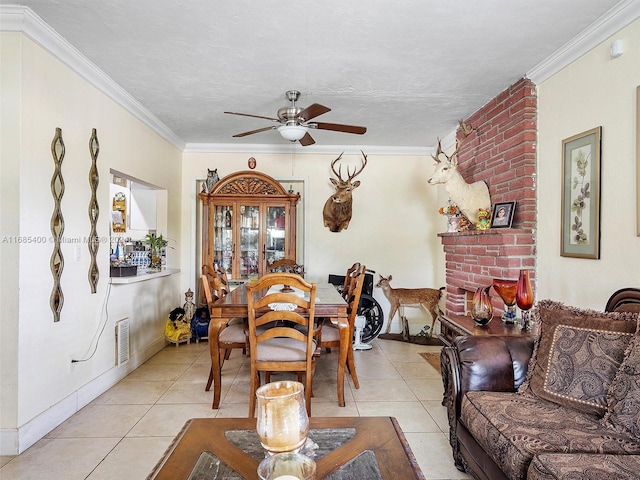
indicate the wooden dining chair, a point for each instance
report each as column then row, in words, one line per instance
column 329, row 335
column 286, row 265
column 281, row 348
column 221, row 274
column 232, row 335
column 349, row 280
column 209, row 273
column 355, row 274
column 213, row 272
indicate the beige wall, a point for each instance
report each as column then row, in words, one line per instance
column 9, row 222
column 393, row 229
column 37, row 380
column 595, row 90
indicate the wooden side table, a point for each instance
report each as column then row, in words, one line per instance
column 452, row 325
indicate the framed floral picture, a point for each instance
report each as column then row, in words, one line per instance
column 502, row 214
column 581, row 195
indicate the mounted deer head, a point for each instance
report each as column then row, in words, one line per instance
column 337, row 208
column 468, row 197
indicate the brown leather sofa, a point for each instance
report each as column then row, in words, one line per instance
column 490, row 363
column 483, row 373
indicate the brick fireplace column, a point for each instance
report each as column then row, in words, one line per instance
column 475, row 258
column 501, row 151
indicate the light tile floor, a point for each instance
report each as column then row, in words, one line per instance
column 124, row 432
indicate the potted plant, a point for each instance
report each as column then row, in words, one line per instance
column 156, row 244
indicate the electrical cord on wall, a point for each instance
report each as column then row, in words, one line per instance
column 105, row 309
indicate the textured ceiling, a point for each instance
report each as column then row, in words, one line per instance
column 406, row 70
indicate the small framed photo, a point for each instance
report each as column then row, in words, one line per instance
column 502, row 214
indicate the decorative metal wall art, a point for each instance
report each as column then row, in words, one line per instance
column 94, row 211
column 57, row 224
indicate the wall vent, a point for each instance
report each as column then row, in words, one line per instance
column 122, row 341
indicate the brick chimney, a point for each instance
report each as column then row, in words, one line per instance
column 502, row 152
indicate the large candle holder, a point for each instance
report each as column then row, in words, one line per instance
column 507, row 291
column 282, row 424
column 287, row 466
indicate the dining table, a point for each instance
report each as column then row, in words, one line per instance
column 329, row 305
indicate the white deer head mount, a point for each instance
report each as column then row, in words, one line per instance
column 468, row 197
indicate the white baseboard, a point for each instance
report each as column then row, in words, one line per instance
column 14, row 441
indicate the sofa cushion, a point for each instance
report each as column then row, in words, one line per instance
column 577, row 354
column 513, row 427
column 553, row 466
column 623, row 400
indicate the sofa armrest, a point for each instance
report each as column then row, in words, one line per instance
column 492, row 363
column 495, row 363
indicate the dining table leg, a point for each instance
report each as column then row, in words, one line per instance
column 214, row 350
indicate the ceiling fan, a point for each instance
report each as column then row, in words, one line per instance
column 294, row 122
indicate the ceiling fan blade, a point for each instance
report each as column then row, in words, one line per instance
column 263, row 129
column 337, row 127
column 312, row 111
column 307, row 140
column 254, row 116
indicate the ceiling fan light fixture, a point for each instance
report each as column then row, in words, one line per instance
column 292, row 132
column 293, row 122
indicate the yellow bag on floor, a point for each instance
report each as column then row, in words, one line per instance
column 176, row 329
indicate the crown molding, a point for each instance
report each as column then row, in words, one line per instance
column 17, row 18
column 449, row 140
column 609, row 24
column 319, row 149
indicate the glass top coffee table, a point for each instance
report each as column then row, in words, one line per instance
column 344, row 448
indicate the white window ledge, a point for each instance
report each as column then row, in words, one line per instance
column 143, row 276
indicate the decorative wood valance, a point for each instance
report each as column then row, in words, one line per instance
column 247, row 183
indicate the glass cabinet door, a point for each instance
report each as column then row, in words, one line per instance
column 249, row 241
column 275, row 239
column 223, row 237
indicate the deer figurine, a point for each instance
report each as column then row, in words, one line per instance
column 427, row 298
column 338, row 207
column 469, row 197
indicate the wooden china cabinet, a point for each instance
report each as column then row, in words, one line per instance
column 248, row 222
